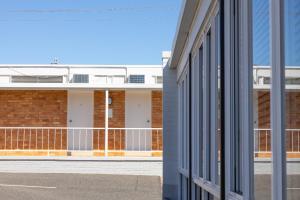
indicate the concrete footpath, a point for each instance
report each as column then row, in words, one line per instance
column 83, row 165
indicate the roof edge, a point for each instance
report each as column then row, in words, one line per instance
column 186, row 17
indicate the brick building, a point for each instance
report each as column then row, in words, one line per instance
column 262, row 108
column 62, row 109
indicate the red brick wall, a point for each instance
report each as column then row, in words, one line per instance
column 292, row 109
column 99, row 109
column 263, row 105
column 33, row 108
column 117, row 120
column 118, row 107
column 156, row 99
column 292, row 118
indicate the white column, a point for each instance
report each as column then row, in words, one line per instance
column 246, row 98
column 106, row 122
column 278, row 100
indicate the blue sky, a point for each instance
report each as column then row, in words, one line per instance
column 261, row 30
column 87, row 31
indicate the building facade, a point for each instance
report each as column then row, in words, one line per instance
column 98, row 109
column 231, row 125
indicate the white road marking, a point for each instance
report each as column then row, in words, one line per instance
column 27, row 186
column 293, row 188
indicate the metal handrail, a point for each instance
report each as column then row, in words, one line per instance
column 80, row 138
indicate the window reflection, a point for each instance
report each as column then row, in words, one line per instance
column 292, row 97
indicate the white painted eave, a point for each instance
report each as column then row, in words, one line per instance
column 75, row 66
column 187, row 13
column 60, row 86
column 268, row 87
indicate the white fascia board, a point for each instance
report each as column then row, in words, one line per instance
column 75, row 66
column 268, row 87
column 186, row 17
column 268, row 67
column 199, row 25
column 60, row 86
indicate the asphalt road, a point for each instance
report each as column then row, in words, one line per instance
column 17, row 186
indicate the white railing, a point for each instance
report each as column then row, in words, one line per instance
column 81, row 139
column 262, row 140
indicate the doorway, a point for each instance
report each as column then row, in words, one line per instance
column 80, row 119
column 138, row 115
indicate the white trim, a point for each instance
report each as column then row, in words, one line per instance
column 214, row 102
column 61, row 86
column 199, row 26
column 277, row 47
column 106, row 122
column 206, row 110
column 208, row 186
column 76, row 66
column 246, row 98
column 228, row 91
column 27, row 186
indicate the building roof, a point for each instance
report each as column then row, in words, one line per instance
column 187, row 13
column 64, row 76
column 76, row 66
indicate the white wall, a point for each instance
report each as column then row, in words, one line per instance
column 150, row 71
column 170, row 142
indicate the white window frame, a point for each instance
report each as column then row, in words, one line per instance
column 277, row 38
column 238, row 115
column 183, row 120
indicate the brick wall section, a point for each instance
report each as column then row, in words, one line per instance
column 33, row 109
column 156, row 98
column 292, row 118
column 263, row 109
column 117, row 120
column 99, row 109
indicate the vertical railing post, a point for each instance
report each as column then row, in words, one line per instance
column 5, row 139
column 29, row 139
column 61, row 139
column 18, row 140
column 92, row 132
column 106, row 124
column 11, row 140
column 42, row 138
column 98, row 140
column 54, row 141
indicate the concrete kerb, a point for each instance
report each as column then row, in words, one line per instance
column 90, row 159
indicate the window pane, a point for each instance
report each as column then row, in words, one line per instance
column 137, row 78
column 261, row 100
column 292, row 97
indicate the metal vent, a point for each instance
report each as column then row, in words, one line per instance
column 80, row 78
column 36, row 79
column 137, row 79
column 159, row 79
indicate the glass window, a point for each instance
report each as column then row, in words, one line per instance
column 136, row 78
column 36, row 79
column 292, row 97
column 80, row 78
column 261, row 100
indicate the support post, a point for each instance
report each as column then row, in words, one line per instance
column 106, row 123
column 278, row 99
